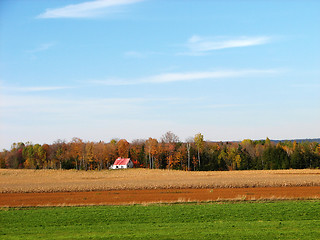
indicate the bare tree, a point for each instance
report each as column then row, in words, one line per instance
column 189, row 141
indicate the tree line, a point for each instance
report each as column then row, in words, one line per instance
column 169, row 152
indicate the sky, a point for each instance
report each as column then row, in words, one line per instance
column 135, row 69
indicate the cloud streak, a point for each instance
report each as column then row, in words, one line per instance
column 186, row 77
column 34, row 88
column 84, row 10
column 42, row 47
column 138, row 54
column 201, row 45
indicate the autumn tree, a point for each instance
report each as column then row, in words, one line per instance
column 137, row 152
column 89, row 157
column 169, row 141
column 40, row 155
column 28, row 154
column 249, row 146
column 100, row 153
column 77, row 151
column 169, row 153
column 34, row 155
column 195, row 162
column 232, row 158
column 123, row 148
column 181, row 157
column 46, row 149
column 198, row 140
column 59, row 153
column 14, row 158
column 3, row 158
column 267, row 142
column 152, row 149
column 111, row 152
column 213, row 162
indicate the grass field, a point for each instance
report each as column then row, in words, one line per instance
column 243, row 220
column 70, row 180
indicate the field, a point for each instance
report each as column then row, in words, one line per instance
column 244, row 220
column 142, row 186
column 15, row 181
column 159, row 204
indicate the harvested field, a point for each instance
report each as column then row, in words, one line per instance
column 121, row 197
column 37, row 181
column 138, row 186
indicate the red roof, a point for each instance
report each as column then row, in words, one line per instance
column 122, row 161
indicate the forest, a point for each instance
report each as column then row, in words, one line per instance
column 169, row 152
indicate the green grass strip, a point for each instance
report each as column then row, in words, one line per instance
column 242, row 220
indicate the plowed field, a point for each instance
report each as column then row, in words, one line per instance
column 121, row 197
column 139, row 186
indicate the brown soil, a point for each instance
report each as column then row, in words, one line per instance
column 120, row 197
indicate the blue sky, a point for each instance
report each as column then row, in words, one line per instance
column 139, row 68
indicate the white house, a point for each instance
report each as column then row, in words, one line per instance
column 122, row 163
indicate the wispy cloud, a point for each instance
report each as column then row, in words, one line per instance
column 34, row 88
column 186, row 76
column 138, row 54
column 42, row 47
column 198, row 45
column 33, row 101
column 85, row 9
column 134, row 54
column 15, row 105
column 231, row 105
column 306, row 85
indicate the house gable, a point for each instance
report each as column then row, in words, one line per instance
column 122, row 163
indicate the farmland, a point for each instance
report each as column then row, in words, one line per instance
column 140, row 186
column 159, row 204
column 19, row 181
column 244, row 220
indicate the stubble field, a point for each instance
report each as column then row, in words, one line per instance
column 23, row 181
column 140, row 186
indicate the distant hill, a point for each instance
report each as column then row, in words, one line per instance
column 299, row 140
column 276, row 141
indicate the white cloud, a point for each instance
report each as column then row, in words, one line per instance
column 85, row 9
column 186, row 76
column 200, row 45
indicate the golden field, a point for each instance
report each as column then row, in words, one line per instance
column 12, row 180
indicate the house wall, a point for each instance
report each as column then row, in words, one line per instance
column 119, row 166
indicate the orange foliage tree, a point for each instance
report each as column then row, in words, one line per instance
column 152, row 147
column 123, row 148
